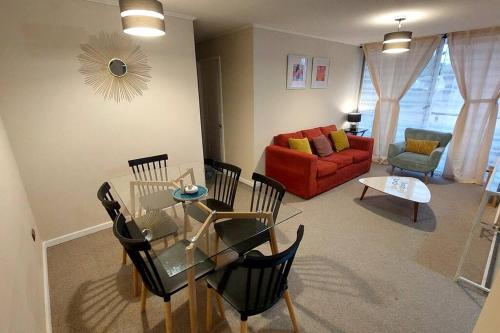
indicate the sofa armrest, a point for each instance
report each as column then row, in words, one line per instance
column 294, row 169
column 396, row 149
column 435, row 156
column 361, row 143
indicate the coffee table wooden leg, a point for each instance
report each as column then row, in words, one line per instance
column 364, row 192
column 415, row 211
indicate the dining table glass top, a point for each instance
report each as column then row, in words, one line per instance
column 154, row 210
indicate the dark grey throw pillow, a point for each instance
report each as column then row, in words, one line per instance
column 322, row 145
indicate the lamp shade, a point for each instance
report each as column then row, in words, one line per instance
column 400, row 47
column 354, row 117
column 142, row 17
column 397, row 37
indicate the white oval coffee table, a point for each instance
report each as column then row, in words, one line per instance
column 407, row 188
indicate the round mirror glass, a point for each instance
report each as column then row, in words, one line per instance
column 117, row 67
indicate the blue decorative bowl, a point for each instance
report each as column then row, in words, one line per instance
column 202, row 191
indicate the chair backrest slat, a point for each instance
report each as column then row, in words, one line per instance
column 109, row 203
column 147, row 169
column 272, row 273
column 269, row 198
column 227, row 177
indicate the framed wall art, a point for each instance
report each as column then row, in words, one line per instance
column 320, row 72
column 296, row 72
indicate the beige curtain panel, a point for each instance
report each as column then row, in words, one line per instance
column 392, row 75
column 475, row 58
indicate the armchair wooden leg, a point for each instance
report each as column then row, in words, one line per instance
column 244, row 326
column 291, row 311
column 209, row 309
column 144, row 294
column 392, row 170
column 124, row 257
column 220, row 306
column 426, row 178
column 168, row 317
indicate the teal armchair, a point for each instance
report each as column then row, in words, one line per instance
column 399, row 158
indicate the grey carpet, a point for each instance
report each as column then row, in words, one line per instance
column 362, row 267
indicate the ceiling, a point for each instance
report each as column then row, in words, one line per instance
column 348, row 21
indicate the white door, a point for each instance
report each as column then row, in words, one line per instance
column 210, row 91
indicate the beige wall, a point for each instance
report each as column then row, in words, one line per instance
column 236, row 54
column 21, row 280
column 66, row 139
column 278, row 110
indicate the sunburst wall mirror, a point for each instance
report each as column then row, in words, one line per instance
column 114, row 67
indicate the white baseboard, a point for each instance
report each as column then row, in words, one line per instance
column 246, row 181
column 46, row 294
column 78, row 234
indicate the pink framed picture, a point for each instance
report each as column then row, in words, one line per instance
column 320, row 72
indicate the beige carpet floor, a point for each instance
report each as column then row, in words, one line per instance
column 363, row 266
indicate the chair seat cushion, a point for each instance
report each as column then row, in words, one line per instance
column 200, row 215
column 341, row 160
column 326, row 168
column 412, row 161
column 242, row 235
column 232, row 280
column 356, row 154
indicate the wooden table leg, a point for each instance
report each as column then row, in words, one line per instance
column 415, row 211
column 364, row 192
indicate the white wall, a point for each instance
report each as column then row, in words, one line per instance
column 236, row 53
column 278, row 110
column 66, row 139
column 21, row 279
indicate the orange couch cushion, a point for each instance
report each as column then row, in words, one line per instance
column 312, row 133
column 282, row 139
column 356, row 154
column 325, row 168
column 326, row 130
column 341, row 160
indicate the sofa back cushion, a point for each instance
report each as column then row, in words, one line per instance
column 326, row 130
column 322, row 145
column 282, row 139
column 311, row 133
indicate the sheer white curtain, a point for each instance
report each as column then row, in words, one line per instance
column 475, row 57
column 392, row 75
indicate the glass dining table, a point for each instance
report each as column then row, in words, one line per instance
column 153, row 201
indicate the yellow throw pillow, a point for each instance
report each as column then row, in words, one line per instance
column 340, row 140
column 300, row 145
column 421, row 146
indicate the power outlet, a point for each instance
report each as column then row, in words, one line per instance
column 33, row 234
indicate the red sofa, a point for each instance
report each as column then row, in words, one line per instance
column 308, row 175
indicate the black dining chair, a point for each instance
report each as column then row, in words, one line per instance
column 242, row 235
column 160, row 224
column 153, row 274
column 152, row 168
column 112, row 207
column 254, row 283
column 225, row 184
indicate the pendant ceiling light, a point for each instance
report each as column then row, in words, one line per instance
column 142, row 17
column 398, row 41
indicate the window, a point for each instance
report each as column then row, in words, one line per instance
column 433, row 102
